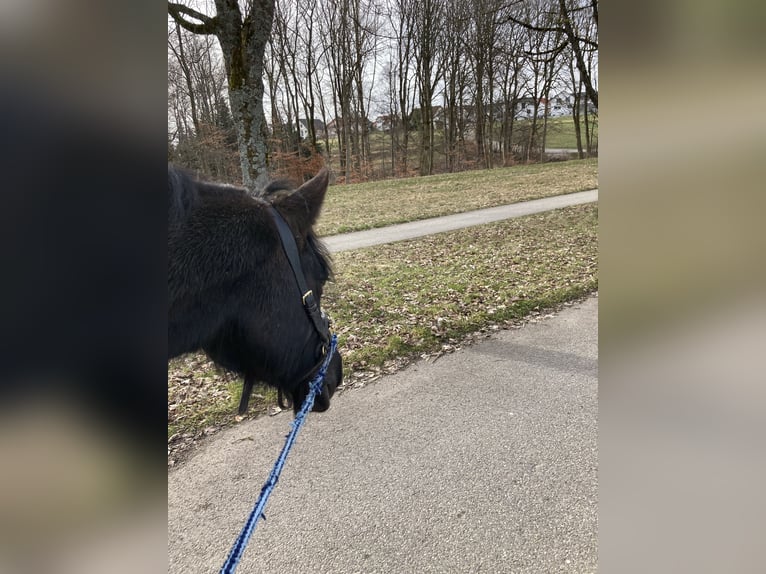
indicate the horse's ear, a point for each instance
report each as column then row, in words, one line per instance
column 303, row 205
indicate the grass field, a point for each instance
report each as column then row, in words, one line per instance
column 561, row 133
column 394, row 303
column 363, row 206
column 409, row 298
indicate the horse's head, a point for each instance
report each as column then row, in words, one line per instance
column 294, row 214
column 234, row 293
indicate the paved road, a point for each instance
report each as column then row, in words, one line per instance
column 560, row 150
column 483, row 461
column 367, row 238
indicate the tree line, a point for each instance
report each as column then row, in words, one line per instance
column 375, row 88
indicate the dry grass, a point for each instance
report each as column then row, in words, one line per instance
column 410, row 298
column 377, row 204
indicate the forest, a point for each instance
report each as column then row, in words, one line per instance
column 376, row 89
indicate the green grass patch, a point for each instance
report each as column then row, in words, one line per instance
column 561, row 133
column 377, row 204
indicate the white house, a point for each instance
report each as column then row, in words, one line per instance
column 559, row 105
column 304, row 131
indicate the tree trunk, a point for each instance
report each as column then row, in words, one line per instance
column 587, row 129
column 187, row 78
column 243, row 42
column 545, row 133
column 576, row 89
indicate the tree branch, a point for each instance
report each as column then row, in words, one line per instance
column 177, row 11
column 558, row 29
column 594, row 3
column 584, row 73
column 532, row 27
column 554, row 51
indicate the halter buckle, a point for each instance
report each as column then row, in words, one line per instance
column 306, row 295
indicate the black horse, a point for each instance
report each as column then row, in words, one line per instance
column 232, row 291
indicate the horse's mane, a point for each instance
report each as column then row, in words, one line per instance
column 281, row 187
column 278, row 187
column 185, row 192
column 322, row 254
column 182, row 194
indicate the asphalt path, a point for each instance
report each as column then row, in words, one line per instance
column 484, row 460
column 413, row 229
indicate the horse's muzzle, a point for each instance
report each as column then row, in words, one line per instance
column 333, row 378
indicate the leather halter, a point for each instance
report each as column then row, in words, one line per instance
column 318, row 318
column 320, row 321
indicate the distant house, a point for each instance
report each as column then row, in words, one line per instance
column 304, row 130
column 438, row 117
column 584, row 101
column 337, row 124
column 559, row 105
column 332, row 128
column 384, row 123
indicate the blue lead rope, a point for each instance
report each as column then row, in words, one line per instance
column 314, row 387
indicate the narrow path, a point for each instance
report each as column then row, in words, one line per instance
column 402, row 231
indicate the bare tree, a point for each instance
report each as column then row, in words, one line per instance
column 282, row 72
column 349, row 29
column 511, row 60
column 365, row 29
column 583, row 21
column 402, row 23
column 242, row 35
column 202, row 136
column 429, row 15
column 336, row 37
column 478, row 57
column 176, row 46
column 483, row 49
column 579, row 43
column 294, row 79
column 552, row 62
column 456, row 79
column 307, row 89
